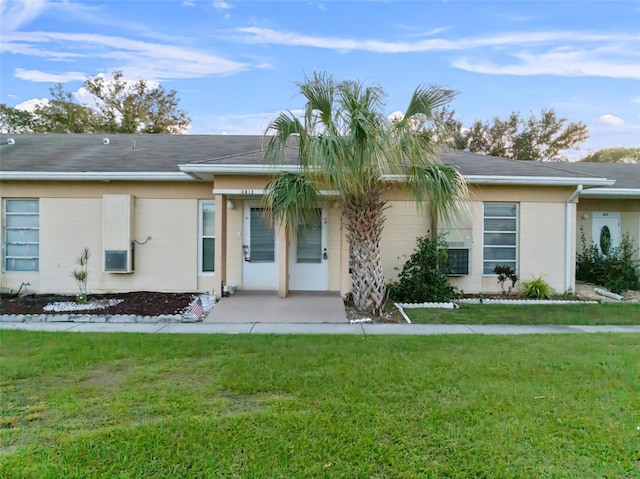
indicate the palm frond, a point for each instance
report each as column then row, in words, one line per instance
column 427, row 98
column 292, row 200
column 442, row 186
column 285, row 125
column 319, row 93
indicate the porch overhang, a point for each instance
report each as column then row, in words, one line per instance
column 612, row 193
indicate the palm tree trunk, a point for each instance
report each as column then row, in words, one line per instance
column 364, row 219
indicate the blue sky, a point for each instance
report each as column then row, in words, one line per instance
column 233, row 63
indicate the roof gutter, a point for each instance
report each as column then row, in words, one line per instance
column 617, row 192
column 94, row 176
column 237, row 169
column 475, row 179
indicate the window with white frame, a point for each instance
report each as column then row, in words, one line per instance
column 21, row 235
column 207, row 240
column 500, row 236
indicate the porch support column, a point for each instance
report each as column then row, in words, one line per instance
column 221, row 244
column 283, row 262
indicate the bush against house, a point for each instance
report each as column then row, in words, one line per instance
column 424, row 276
column 616, row 270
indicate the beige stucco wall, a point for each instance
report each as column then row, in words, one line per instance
column 629, row 210
column 71, row 219
column 541, row 231
column 403, row 225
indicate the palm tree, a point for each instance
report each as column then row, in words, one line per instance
column 347, row 145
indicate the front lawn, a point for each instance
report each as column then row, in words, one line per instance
column 584, row 314
column 81, row 405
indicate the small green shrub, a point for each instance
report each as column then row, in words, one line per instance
column 618, row 271
column 424, row 276
column 537, row 288
column 505, row 273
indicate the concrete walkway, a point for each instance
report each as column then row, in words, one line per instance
column 315, row 328
column 267, row 307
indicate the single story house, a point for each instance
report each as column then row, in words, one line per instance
column 183, row 213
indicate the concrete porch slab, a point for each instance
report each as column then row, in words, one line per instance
column 267, row 307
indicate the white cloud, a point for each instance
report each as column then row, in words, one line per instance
column 636, row 99
column 32, row 104
column 136, row 58
column 612, row 120
column 565, row 62
column 40, row 76
column 588, row 54
column 275, row 37
column 17, row 14
column 189, row 3
column 222, row 5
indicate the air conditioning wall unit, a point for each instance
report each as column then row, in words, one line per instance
column 117, row 233
column 458, row 261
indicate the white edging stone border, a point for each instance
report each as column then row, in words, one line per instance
column 96, row 318
column 523, row 301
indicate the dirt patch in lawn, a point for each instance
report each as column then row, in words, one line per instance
column 142, row 303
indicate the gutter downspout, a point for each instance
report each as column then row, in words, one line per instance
column 569, row 239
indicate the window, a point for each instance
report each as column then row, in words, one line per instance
column 207, row 244
column 21, row 235
column 500, row 236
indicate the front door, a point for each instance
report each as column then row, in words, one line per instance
column 606, row 231
column 309, row 258
column 260, row 252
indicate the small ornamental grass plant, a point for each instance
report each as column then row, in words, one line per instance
column 81, row 275
column 537, row 288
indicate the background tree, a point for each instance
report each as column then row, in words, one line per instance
column 63, row 115
column 136, row 107
column 118, row 106
column 13, row 120
column 534, row 139
column 614, row 155
column 347, row 144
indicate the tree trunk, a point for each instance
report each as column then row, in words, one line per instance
column 364, row 219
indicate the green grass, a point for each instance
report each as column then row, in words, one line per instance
column 585, row 314
column 79, row 405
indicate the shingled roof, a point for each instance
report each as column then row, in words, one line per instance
column 626, row 175
column 119, row 153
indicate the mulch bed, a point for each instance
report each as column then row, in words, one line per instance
column 142, row 303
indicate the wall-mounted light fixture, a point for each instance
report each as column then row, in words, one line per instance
column 585, row 216
column 230, row 205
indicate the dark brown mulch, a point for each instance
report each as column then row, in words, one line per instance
column 142, row 303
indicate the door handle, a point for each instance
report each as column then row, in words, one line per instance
column 245, row 252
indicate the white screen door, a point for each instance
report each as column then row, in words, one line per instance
column 260, row 252
column 309, row 258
